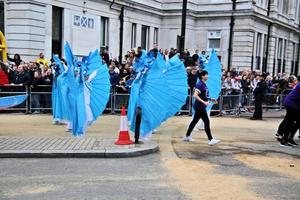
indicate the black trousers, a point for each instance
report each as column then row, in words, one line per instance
column 290, row 124
column 258, row 109
column 200, row 114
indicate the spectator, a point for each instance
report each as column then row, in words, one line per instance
column 35, row 98
column 3, row 74
column 22, row 77
column 47, row 80
column 104, row 55
column 17, row 59
column 114, row 77
column 41, row 60
column 193, row 77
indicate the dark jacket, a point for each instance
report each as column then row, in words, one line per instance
column 22, row 78
column 260, row 91
column 114, row 78
column 192, row 80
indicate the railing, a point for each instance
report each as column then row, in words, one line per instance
column 39, row 100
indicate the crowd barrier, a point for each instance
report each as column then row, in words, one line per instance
column 39, row 100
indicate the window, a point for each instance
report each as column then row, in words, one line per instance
column 57, row 30
column 258, row 44
column 155, row 39
column 262, row 3
column 297, row 10
column 214, row 40
column 284, row 6
column 293, row 58
column 284, row 55
column 133, row 35
column 279, row 55
column 104, row 32
column 258, row 50
column 2, row 17
column 145, row 37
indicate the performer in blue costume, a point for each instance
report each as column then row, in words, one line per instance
column 88, row 89
column 59, row 92
column 153, row 97
column 11, row 101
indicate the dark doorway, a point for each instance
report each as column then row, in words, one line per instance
column 57, row 16
column 2, row 17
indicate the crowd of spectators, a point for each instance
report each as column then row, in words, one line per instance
column 234, row 82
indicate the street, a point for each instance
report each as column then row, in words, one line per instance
column 247, row 164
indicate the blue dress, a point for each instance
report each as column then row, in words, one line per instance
column 88, row 89
column 59, row 91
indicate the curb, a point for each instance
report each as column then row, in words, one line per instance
column 151, row 147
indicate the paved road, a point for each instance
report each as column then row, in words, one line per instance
column 248, row 164
column 130, row 178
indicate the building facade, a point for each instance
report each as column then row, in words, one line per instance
column 256, row 34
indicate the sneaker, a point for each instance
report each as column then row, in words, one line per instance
column 292, row 142
column 285, row 144
column 213, row 141
column 188, row 139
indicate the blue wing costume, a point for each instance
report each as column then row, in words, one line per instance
column 11, row 101
column 175, row 75
column 59, row 91
column 153, row 90
column 88, row 89
column 214, row 82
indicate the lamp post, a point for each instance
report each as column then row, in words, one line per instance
column 231, row 35
column 183, row 25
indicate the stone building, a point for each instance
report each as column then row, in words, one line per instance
column 256, row 34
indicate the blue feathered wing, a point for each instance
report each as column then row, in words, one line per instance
column 175, row 75
column 99, row 86
column 214, row 82
column 11, row 101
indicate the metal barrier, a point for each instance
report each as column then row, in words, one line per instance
column 39, row 99
column 40, row 95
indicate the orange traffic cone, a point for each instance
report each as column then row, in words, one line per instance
column 124, row 138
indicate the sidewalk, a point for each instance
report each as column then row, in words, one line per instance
column 87, row 147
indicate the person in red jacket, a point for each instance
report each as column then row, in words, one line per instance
column 3, row 75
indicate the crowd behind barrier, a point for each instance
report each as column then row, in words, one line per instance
column 36, row 77
column 39, row 100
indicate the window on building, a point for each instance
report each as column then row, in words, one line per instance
column 279, row 55
column 297, row 10
column 57, row 17
column 262, row 3
column 178, row 41
column 155, row 39
column 133, row 35
column 258, row 50
column 285, row 6
column 104, row 32
column 2, row 17
column 214, row 40
column 285, row 44
column 145, row 37
column 264, row 67
column 293, row 62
